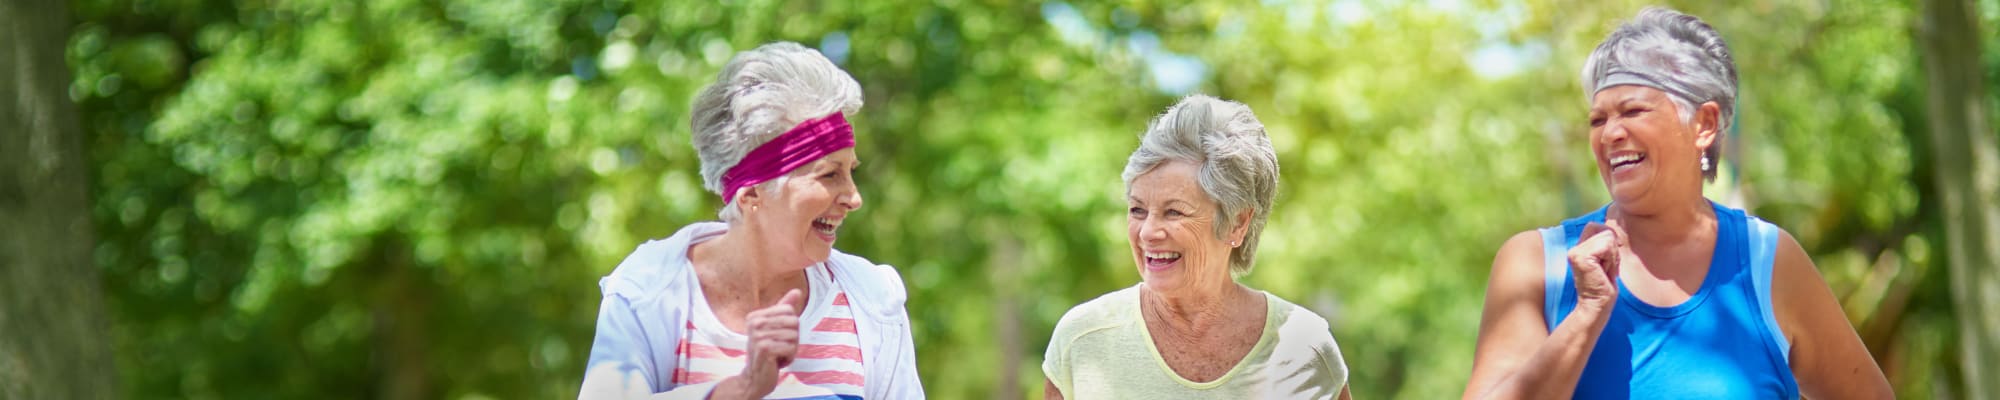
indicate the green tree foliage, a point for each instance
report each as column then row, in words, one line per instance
column 414, row 198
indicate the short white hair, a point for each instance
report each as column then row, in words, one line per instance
column 1239, row 168
column 1678, row 51
column 759, row 95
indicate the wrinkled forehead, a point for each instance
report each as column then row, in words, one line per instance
column 1170, row 181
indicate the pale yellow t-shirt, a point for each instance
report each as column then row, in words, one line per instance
column 1101, row 350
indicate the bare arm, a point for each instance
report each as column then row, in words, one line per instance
column 1517, row 357
column 1827, row 356
column 1049, row 390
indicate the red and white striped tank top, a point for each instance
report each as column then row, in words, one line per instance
column 828, row 365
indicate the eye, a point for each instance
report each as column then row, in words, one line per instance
column 1596, row 122
column 1176, row 213
column 1136, row 212
column 1632, row 112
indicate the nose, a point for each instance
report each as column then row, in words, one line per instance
column 1150, row 230
column 1612, row 132
column 851, row 200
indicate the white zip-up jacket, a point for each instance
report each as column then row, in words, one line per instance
column 645, row 305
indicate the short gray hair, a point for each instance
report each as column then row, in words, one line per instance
column 1239, row 168
column 1677, row 53
column 759, row 95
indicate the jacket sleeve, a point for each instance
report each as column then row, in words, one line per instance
column 622, row 362
column 908, row 384
column 890, row 298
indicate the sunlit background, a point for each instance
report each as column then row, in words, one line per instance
column 414, row 199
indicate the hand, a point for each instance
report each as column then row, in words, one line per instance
column 774, row 340
column 1594, row 264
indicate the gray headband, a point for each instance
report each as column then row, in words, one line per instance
column 1621, row 76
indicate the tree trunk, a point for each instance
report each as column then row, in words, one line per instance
column 402, row 327
column 52, row 329
column 1967, row 166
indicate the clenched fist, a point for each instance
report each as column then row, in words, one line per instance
column 1594, row 264
column 774, row 340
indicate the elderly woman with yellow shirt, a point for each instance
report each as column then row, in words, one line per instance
column 1199, row 189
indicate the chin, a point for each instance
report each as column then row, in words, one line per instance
column 1628, row 191
column 810, row 257
column 1159, row 280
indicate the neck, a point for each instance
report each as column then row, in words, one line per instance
column 738, row 262
column 1194, row 309
column 1671, row 224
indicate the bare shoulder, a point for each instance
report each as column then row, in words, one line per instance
column 1527, row 244
column 1514, row 286
column 1796, row 284
column 1518, row 263
column 1827, row 355
column 1511, row 323
column 1791, row 260
column 1800, row 297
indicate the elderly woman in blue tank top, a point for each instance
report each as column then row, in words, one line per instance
column 1663, row 293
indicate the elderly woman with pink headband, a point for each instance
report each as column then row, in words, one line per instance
column 760, row 305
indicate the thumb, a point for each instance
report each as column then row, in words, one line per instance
column 1592, row 229
column 1618, row 235
column 793, row 298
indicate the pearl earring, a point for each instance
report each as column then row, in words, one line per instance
column 1704, row 163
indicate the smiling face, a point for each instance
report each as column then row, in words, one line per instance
column 1643, row 150
column 1171, row 224
column 805, row 216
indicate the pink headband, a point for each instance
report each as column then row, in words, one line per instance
column 811, row 140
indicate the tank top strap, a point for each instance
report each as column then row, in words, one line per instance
column 1763, row 255
column 1555, row 271
column 1558, row 295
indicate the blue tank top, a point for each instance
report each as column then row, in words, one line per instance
column 1722, row 343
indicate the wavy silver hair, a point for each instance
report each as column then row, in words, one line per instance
column 759, row 95
column 1676, row 53
column 1239, row 168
